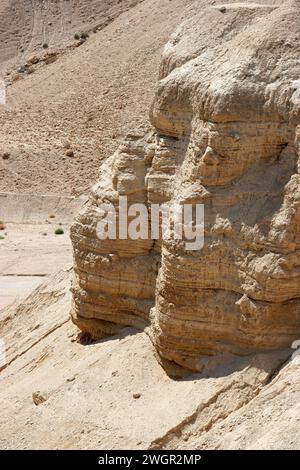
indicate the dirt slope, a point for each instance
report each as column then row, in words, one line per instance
column 89, row 97
column 25, row 27
column 88, row 389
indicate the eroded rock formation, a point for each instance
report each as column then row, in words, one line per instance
column 226, row 134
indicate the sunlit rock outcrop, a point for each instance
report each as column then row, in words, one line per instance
column 226, row 130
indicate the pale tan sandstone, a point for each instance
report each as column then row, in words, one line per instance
column 89, row 389
column 225, row 133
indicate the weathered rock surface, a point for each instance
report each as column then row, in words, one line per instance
column 226, row 134
column 89, row 389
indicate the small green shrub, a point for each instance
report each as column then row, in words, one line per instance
column 59, row 231
column 22, row 69
column 81, row 35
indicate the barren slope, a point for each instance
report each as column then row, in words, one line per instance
column 89, row 389
column 89, row 97
column 26, row 26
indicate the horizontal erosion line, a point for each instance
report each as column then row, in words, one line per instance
column 231, row 291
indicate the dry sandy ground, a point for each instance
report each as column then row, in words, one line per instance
column 26, row 26
column 27, row 256
column 15, row 289
column 30, row 250
column 90, row 97
column 89, row 390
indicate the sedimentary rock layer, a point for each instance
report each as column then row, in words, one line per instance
column 225, row 133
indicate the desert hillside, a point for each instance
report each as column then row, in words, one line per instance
column 27, row 28
column 88, row 98
column 142, row 343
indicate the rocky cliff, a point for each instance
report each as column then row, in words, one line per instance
column 225, row 133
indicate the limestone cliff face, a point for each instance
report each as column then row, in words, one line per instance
column 226, row 133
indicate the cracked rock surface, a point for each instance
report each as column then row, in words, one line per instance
column 86, row 392
column 225, row 133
